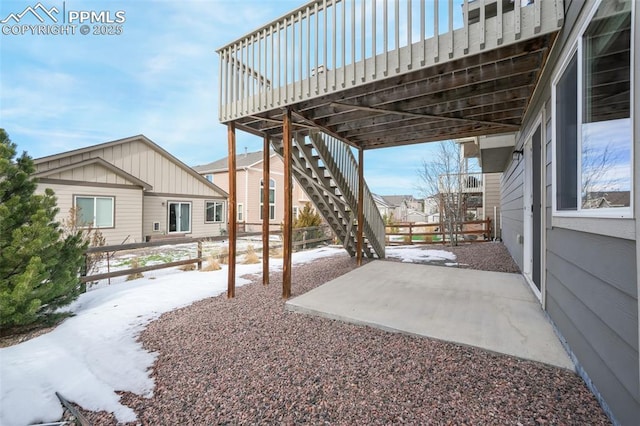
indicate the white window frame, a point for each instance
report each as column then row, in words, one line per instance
column 272, row 206
column 240, row 217
column 216, row 203
column 95, row 199
column 180, row 203
column 209, row 177
column 577, row 49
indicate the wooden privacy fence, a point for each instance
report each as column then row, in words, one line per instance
column 435, row 233
column 302, row 237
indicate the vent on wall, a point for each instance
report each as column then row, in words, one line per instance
column 156, row 226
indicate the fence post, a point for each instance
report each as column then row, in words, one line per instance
column 410, row 233
column 199, row 255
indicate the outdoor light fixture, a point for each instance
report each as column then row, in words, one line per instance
column 517, row 154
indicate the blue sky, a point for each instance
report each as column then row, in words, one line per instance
column 158, row 78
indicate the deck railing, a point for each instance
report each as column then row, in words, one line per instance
column 460, row 183
column 328, row 45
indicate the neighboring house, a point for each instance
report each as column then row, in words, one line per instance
column 404, row 208
column 249, row 182
column 386, row 209
column 132, row 189
column 569, row 195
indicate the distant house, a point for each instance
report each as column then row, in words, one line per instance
column 404, row 208
column 249, row 167
column 132, row 190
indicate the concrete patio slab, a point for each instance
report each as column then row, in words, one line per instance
column 491, row 310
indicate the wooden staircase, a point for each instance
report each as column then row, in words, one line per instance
column 328, row 171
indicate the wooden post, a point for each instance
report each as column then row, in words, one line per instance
column 288, row 207
column 266, row 166
column 233, row 218
column 360, row 242
column 410, row 233
column 199, row 265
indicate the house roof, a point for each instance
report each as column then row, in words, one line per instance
column 118, row 171
column 245, row 159
column 139, row 138
column 608, row 199
column 396, row 200
column 380, row 200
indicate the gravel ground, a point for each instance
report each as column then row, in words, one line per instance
column 248, row 361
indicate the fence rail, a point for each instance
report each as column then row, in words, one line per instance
column 302, row 238
column 403, row 233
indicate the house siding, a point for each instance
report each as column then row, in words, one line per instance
column 127, row 206
column 248, row 191
column 169, row 179
column 511, row 202
column 491, row 197
column 590, row 280
column 156, row 210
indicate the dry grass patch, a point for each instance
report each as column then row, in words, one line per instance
column 223, row 256
column 251, row 257
column 188, row 267
column 135, row 263
column 275, row 253
column 211, row 264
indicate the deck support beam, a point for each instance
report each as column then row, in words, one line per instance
column 265, row 209
column 421, row 115
column 360, row 234
column 288, row 206
column 233, row 217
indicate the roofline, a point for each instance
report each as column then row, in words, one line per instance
column 226, row 169
column 141, row 138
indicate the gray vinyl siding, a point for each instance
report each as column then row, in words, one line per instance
column 590, row 279
column 127, row 208
column 511, row 201
column 592, row 298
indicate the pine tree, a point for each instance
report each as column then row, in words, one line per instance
column 308, row 218
column 38, row 265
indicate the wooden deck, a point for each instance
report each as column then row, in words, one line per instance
column 473, row 78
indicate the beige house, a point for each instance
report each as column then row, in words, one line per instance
column 249, row 167
column 133, row 190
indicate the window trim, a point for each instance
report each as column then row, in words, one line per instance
column 95, row 197
column 240, row 213
column 576, row 48
column 169, row 216
column 272, row 206
column 222, row 215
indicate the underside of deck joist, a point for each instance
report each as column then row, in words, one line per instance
column 483, row 94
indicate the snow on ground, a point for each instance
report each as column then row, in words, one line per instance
column 95, row 353
column 417, row 254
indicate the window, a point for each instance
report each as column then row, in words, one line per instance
column 592, row 119
column 179, row 217
column 95, row 211
column 295, row 212
column 209, row 177
column 272, row 199
column 240, row 212
column 214, row 211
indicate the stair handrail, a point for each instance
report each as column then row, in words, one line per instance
column 343, row 168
